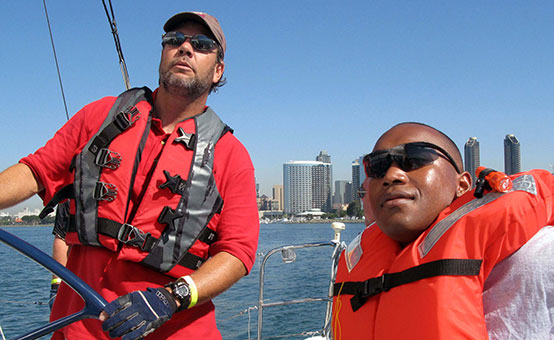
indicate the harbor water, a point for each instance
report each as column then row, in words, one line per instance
column 24, row 285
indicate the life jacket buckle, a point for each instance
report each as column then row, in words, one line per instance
column 176, row 184
column 132, row 236
column 108, row 159
column 124, row 119
column 104, row 191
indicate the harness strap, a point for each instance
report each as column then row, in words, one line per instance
column 191, row 261
column 62, row 194
column 363, row 290
column 133, row 236
column 121, row 122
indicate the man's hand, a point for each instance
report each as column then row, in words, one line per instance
column 137, row 314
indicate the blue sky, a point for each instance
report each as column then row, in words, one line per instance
column 303, row 76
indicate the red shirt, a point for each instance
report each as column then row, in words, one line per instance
column 237, row 225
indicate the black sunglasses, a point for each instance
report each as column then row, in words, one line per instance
column 408, row 157
column 199, row 42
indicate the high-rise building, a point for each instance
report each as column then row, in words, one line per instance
column 348, row 193
column 278, row 196
column 323, row 157
column 307, row 185
column 340, row 192
column 471, row 156
column 355, row 179
column 512, row 156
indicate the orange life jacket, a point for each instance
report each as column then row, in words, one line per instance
column 432, row 288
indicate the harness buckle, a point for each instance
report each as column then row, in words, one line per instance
column 108, row 159
column 104, row 192
column 124, row 119
column 132, row 236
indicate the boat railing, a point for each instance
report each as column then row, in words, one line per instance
column 288, row 254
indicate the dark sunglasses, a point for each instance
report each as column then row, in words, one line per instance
column 408, row 157
column 199, row 42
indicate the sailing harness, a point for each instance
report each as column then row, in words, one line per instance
column 185, row 224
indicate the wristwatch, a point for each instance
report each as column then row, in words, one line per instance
column 181, row 291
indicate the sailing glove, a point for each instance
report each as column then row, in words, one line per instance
column 137, row 314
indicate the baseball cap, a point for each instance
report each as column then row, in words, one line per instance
column 203, row 18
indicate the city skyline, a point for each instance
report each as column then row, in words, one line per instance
column 289, row 104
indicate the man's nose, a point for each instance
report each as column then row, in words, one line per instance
column 186, row 48
column 395, row 175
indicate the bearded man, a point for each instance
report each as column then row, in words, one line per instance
column 163, row 210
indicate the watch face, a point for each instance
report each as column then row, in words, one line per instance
column 182, row 290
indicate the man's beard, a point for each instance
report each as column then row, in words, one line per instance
column 190, row 88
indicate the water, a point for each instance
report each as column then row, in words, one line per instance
column 24, row 285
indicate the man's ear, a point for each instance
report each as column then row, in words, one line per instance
column 464, row 184
column 219, row 68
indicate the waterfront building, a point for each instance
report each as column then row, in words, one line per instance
column 307, row 185
column 512, row 156
column 471, row 156
column 355, row 180
column 278, row 196
column 340, row 192
column 348, row 193
column 323, row 157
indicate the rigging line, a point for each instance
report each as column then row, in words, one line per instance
column 113, row 27
column 55, row 58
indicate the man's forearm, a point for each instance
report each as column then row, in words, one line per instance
column 216, row 275
column 17, row 183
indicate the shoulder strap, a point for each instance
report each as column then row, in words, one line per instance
column 363, row 290
column 87, row 188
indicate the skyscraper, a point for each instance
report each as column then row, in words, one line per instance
column 512, row 156
column 340, row 192
column 323, row 157
column 471, row 156
column 278, row 196
column 355, row 179
column 307, row 185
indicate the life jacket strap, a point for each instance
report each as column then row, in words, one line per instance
column 191, row 261
column 132, row 236
column 363, row 290
column 121, row 122
column 64, row 193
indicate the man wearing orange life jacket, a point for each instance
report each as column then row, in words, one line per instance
column 420, row 270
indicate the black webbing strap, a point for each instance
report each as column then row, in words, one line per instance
column 64, row 193
column 132, row 236
column 191, row 261
column 363, row 290
column 121, row 122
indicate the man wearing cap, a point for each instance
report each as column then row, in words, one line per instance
column 163, row 204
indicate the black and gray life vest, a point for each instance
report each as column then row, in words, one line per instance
column 167, row 227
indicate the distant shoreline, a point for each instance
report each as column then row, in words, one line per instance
column 26, row 225
column 360, row 221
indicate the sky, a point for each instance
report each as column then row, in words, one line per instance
column 302, row 76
